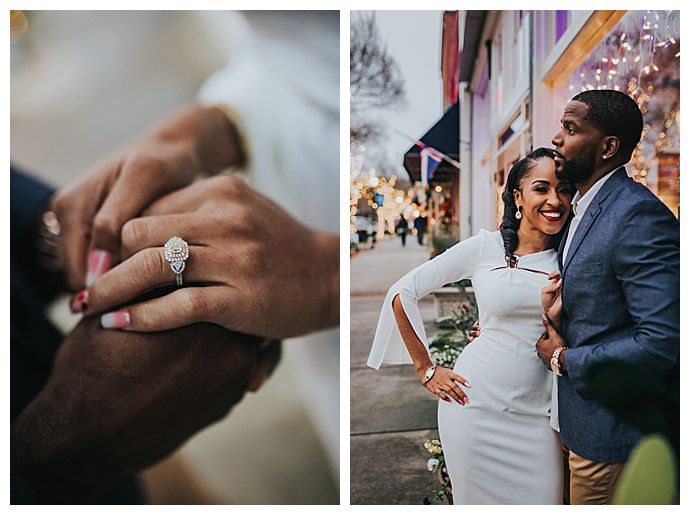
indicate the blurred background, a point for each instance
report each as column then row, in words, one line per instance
column 83, row 84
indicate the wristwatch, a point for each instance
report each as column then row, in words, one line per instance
column 555, row 362
column 428, row 374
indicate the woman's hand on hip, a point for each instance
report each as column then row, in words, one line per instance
column 444, row 384
column 252, row 268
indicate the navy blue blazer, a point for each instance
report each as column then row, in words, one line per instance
column 34, row 340
column 621, row 300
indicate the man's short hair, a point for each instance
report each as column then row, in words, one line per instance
column 615, row 114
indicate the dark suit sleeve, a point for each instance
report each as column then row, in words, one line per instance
column 20, row 489
column 647, row 265
column 28, row 196
column 35, row 267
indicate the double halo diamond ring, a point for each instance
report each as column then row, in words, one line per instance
column 176, row 253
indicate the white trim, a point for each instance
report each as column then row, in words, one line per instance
column 500, row 150
column 511, row 105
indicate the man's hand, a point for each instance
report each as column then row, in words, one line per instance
column 117, row 402
column 269, row 356
column 549, row 342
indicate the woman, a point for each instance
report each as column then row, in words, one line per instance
column 497, row 435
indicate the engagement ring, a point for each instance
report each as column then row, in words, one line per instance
column 176, row 252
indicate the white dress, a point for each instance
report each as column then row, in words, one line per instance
column 503, row 447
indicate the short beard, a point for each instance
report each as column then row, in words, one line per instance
column 577, row 170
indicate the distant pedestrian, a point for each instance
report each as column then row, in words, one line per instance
column 420, row 223
column 401, row 228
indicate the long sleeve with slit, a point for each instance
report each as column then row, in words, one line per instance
column 502, row 447
column 455, row 264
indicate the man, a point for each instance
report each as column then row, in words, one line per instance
column 619, row 262
column 90, row 410
column 420, row 224
column 401, row 228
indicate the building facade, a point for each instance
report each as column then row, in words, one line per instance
column 518, row 69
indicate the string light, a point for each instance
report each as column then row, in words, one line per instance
column 371, row 193
column 640, row 57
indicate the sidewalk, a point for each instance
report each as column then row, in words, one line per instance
column 391, row 415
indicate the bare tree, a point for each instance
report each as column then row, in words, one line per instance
column 375, row 79
column 362, row 130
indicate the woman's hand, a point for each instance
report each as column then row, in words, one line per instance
column 252, row 268
column 474, row 332
column 551, row 298
column 444, row 384
column 93, row 212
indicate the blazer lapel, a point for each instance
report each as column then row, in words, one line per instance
column 592, row 213
column 582, row 229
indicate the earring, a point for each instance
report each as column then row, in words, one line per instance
column 518, row 213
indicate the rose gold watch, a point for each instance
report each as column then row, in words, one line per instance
column 429, row 374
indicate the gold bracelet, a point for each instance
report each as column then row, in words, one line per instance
column 555, row 363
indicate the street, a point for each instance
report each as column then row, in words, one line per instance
column 391, row 415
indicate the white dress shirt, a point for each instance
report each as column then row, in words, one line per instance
column 580, row 205
column 281, row 88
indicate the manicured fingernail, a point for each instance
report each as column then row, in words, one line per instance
column 115, row 320
column 466, row 383
column 467, row 400
column 79, row 302
column 100, row 261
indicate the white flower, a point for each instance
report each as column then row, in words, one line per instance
column 432, row 464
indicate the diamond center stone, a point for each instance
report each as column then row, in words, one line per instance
column 176, row 249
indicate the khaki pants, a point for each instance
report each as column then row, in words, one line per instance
column 592, row 482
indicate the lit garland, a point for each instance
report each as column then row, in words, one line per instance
column 641, row 57
column 364, row 185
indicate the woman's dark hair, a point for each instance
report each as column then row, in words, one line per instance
column 510, row 224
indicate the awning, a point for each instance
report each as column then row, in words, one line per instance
column 443, row 136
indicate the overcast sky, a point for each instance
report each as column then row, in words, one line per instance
column 413, row 38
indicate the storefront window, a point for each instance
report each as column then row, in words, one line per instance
column 641, row 57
